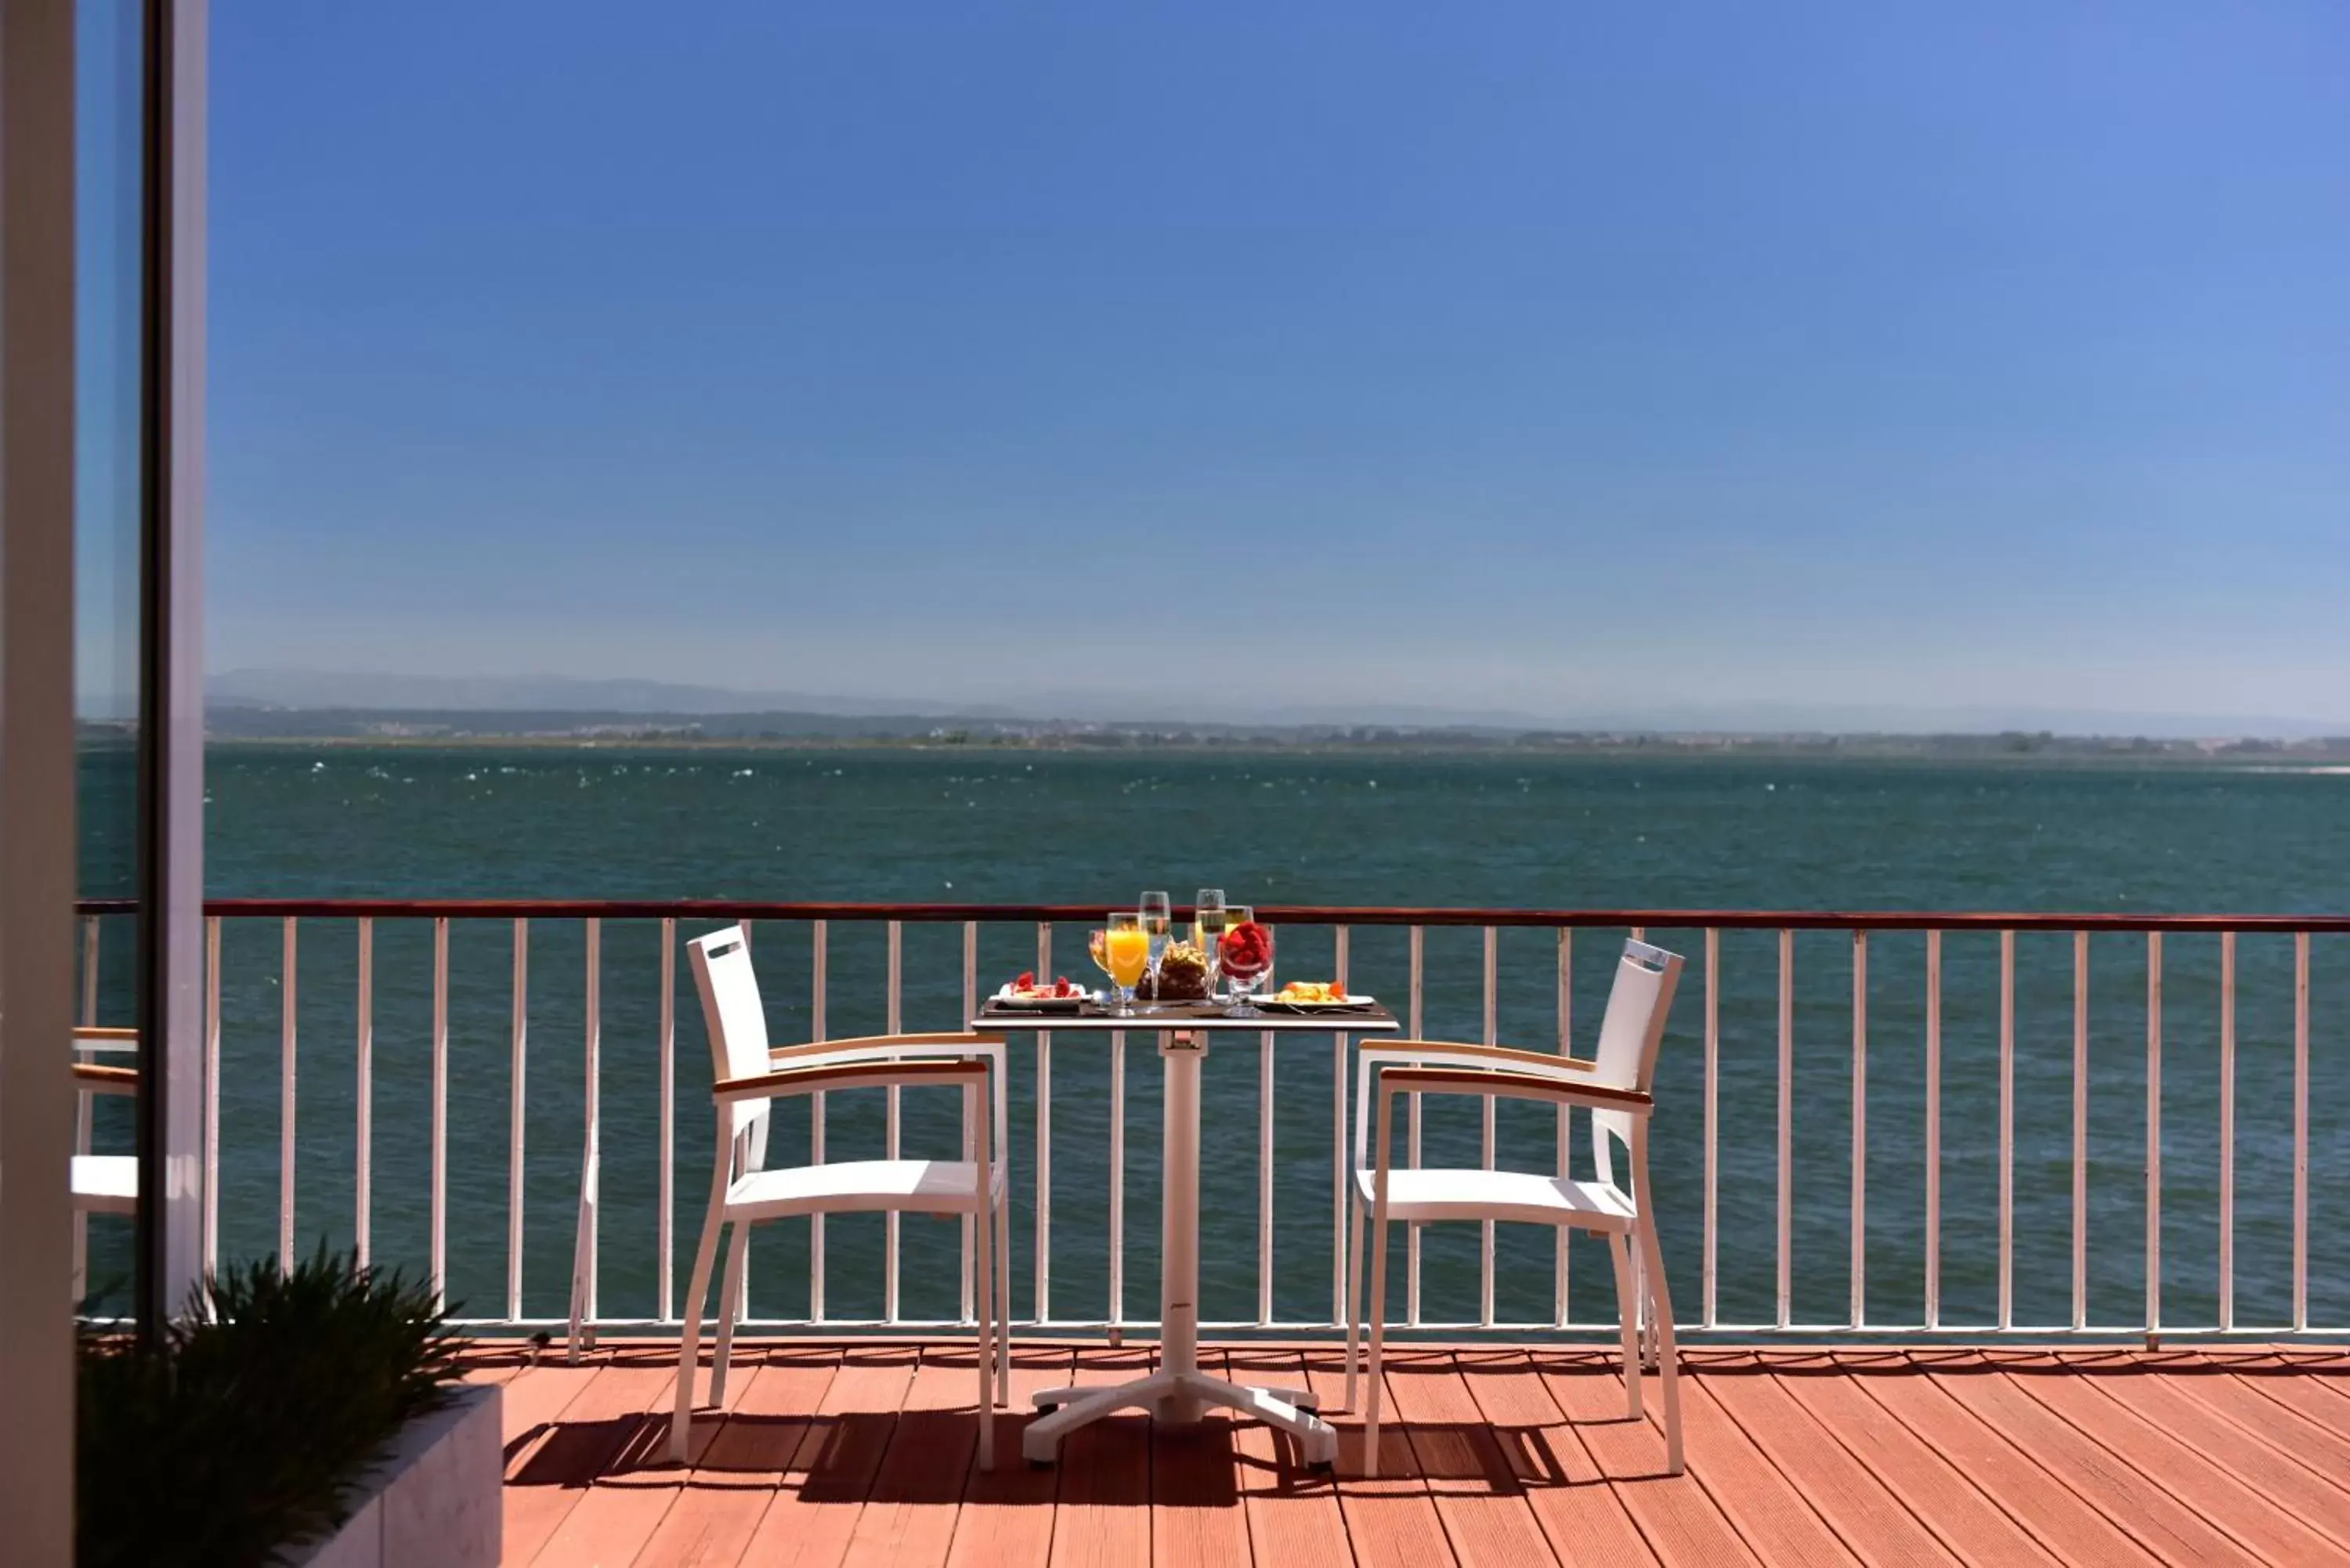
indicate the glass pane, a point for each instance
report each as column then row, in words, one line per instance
column 106, row 570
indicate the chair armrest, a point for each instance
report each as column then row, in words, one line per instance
column 1541, row 1061
column 868, row 1047
column 106, row 1080
column 1510, row 1085
column 847, row 1076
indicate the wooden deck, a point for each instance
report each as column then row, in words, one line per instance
column 864, row 1453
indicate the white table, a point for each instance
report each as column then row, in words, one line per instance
column 1179, row 1390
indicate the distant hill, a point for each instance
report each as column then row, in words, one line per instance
column 536, row 704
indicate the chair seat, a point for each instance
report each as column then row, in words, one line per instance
column 106, row 1183
column 850, row 1186
column 1424, row 1195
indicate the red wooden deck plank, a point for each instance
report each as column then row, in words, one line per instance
column 1933, row 1486
column 628, row 1498
column 1102, row 1517
column 1856, row 1504
column 1679, row 1519
column 2210, row 1492
column 551, row 1476
column 2305, row 1395
column 1294, row 1519
column 2283, row 1480
column 1392, row 1520
column 810, row 1524
column 2320, row 1442
column 910, row 1516
column 1195, row 1501
column 1579, row 1511
column 2151, row 1512
column 745, row 1459
column 1007, row 1512
column 2024, row 1480
column 1478, row 1495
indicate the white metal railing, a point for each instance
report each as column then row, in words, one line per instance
column 1745, row 1047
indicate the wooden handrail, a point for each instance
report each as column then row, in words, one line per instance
column 721, row 910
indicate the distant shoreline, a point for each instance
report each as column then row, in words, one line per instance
column 2324, row 756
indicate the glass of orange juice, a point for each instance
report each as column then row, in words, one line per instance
column 1127, row 946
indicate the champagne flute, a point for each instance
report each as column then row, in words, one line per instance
column 1207, row 926
column 1127, row 946
column 1158, row 924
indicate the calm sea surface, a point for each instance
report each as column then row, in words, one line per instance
column 982, row 827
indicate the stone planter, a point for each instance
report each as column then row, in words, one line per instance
column 434, row 1502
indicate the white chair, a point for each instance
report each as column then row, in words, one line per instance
column 101, row 1183
column 749, row 1076
column 1615, row 1089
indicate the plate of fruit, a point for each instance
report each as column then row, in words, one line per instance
column 1058, row 995
column 1316, row 996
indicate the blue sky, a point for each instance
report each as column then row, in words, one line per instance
column 1560, row 358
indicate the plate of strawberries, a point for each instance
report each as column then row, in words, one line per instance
column 1059, row 995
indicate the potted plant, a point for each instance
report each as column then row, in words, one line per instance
column 310, row 1415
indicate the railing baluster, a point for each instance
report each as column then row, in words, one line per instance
column 1485, row 1127
column 895, row 1023
column 365, row 1094
column 1933, row 1130
column 515, row 1119
column 1859, row 1128
column 2153, row 1133
column 2227, row 1131
column 2301, row 1131
column 438, row 1258
column 1265, row 1179
column 1044, row 1140
column 1565, row 1048
column 973, row 1107
column 820, row 935
column 1118, row 1178
column 665, row 1196
column 2006, row 1130
column 1787, row 1123
column 593, row 1093
column 1712, row 1112
column 1411, row 1154
column 1339, row 1178
column 286, row 1063
column 2080, row 1129
column 211, row 1091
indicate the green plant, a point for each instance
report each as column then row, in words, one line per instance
column 235, row 1435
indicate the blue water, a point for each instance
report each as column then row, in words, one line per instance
column 1328, row 828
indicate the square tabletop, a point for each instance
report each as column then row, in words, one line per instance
column 1197, row 1017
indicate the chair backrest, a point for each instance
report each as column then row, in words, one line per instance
column 737, row 1023
column 1629, row 1034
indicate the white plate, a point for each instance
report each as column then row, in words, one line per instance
column 1003, row 997
column 1349, row 1002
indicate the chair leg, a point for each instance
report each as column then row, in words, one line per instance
column 1628, row 1308
column 1354, row 1298
column 1004, row 1301
column 689, row 1339
column 1667, row 1350
column 730, row 1301
column 990, row 1327
column 1379, row 1343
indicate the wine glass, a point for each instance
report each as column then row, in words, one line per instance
column 1158, row 924
column 1207, row 927
column 1128, row 947
column 1245, row 915
column 1246, row 955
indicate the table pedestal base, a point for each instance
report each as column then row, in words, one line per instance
column 1291, row 1409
